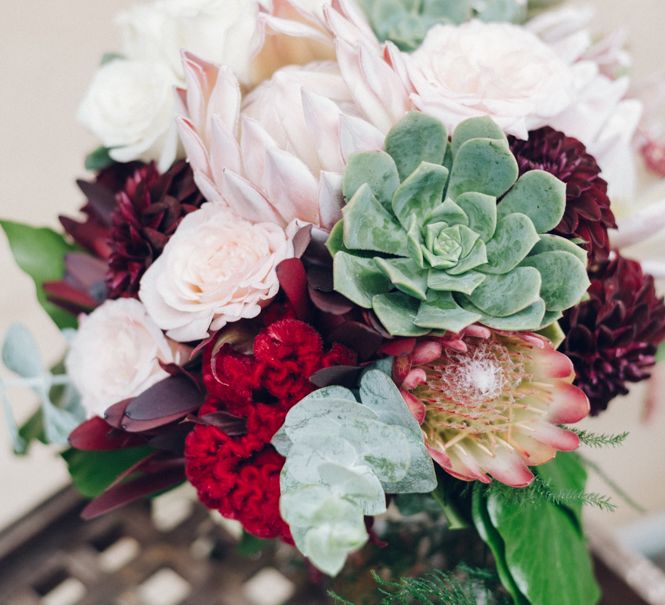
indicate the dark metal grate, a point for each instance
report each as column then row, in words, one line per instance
column 134, row 557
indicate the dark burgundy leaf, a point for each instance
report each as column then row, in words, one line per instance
column 100, row 199
column 115, row 414
column 293, row 280
column 97, row 435
column 357, row 336
column 173, row 397
column 301, row 240
column 346, row 376
column 172, row 439
column 231, row 425
column 123, row 494
column 330, row 302
column 85, row 269
column 399, row 346
column 141, row 426
column 61, row 293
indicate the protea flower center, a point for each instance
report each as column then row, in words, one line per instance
column 491, row 403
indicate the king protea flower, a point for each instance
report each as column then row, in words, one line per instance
column 490, row 403
column 276, row 156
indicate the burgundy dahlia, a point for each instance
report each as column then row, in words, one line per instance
column 148, row 211
column 612, row 337
column 588, row 215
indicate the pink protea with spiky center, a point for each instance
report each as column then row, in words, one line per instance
column 490, row 403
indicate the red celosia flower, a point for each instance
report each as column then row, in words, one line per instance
column 613, row 336
column 239, row 475
column 588, row 215
column 148, row 211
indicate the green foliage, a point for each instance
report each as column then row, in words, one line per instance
column 427, row 248
column 60, row 409
column 93, row 472
column 596, row 440
column 660, row 354
column 406, row 22
column 342, row 457
column 536, row 535
column 463, row 586
column 40, row 252
column 98, row 159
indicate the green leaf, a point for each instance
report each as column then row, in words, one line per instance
column 505, row 295
column 481, row 212
column 369, row 226
column 477, row 128
column 374, row 168
column 420, row 193
column 502, row 10
column 441, row 312
column 359, row 279
column 554, row 333
column 660, row 354
column 40, row 252
column 539, row 195
column 483, row 166
column 566, row 475
column 397, row 312
column 530, row 318
column 250, row 545
column 99, row 159
column 20, row 352
column 564, row 278
column 514, row 238
column 551, row 243
column 491, row 537
column 405, row 275
column 415, row 139
column 93, row 472
column 548, row 558
column 466, row 283
column 109, row 57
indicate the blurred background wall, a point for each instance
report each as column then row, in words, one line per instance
column 48, row 52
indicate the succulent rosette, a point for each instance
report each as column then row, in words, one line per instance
column 424, row 244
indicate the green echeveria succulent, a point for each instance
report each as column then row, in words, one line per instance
column 424, row 243
column 406, row 22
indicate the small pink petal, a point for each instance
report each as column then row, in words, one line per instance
column 399, row 346
column 508, row 467
column 552, row 364
column 556, row 437
column 569, row 404
column 414, row 379
column 478, row 332
column 426, row 352
column 416, row 407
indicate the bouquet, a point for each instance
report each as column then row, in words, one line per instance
column 351, row 269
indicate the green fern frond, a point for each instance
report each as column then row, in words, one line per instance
column 464, row 586
column 599, row 439
column 541, row 490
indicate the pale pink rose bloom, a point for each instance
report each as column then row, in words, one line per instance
column 217, row 268
column 116, row 354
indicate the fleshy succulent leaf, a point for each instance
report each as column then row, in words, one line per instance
column 565, row 278
column 441, row 312
column 458, row 243
column 514, row 238
column 377, row 169
column 397, row 312
column 369, row 226
column 420, row 193
column 539, row 195
column 477, row 128
column 505, row 295
column 481, row 212
column 359, row 279
column 416, row 138
column 483, row 166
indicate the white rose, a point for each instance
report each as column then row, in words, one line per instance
column 130, row 107
column 216, row 269
column 219, row 31
column 495, row 69
column 115, row 354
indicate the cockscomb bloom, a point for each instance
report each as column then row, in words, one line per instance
column 234, row 468
column 588, row 215
column 490, row 403
column 613, row 336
